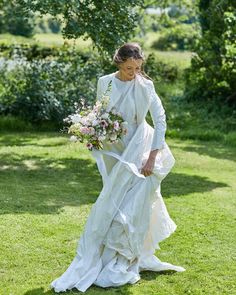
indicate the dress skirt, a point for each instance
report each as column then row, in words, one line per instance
column 125, row 225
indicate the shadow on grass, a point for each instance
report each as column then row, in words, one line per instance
column 148, row 275
column 121, row 290
column 211, row 149
column 43, row 186
column 33, row 139
column 179, row 184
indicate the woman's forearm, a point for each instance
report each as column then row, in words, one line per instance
column 152, row 155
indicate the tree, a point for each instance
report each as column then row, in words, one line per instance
column 212, row 75
column 15, row 20
column 107, row 23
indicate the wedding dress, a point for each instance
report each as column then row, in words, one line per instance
column 129, row 218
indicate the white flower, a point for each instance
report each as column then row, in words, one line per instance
column 91, row 116
column 73, row 138
column 105, row 116
column 95, row 122
column 75, row 118
column 105, row 100
column 84, row 121
column 91, row 131
column 113, row 137
column 114, row 111
column 101, row 137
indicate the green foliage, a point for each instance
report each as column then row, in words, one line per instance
column 157, row 69
column 212, row 75
column 47, row 89
column 54, row 25
column 28, row 51
column 15, row 20
column 195, row 119
column 106, row 23
column 41, row 84
column 46, row 24
column 179, row 37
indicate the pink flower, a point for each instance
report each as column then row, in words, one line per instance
column 116, row 125
column 91, row 130
column 89, row 145
column 104, row 123
column 84, row 130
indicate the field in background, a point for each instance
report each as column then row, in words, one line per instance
column 45, row 40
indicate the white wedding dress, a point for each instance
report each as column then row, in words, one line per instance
column 121, row 233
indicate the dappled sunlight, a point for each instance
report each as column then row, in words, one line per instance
column 33, row 139
column 46, row 179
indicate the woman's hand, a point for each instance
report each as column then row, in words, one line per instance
column 148, row 167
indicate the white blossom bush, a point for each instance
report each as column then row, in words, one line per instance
column 42, row 90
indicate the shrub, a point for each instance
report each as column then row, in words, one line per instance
column 47, row 89
column 179, row 37
column 212, row 74
column 159, row 70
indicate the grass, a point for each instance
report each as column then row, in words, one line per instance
column 179, row 58
column 48, row 39
column 48, row 186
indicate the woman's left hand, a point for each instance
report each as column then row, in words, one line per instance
column 148, row 167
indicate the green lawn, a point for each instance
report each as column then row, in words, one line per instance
column 48, row 39
column 48, row 186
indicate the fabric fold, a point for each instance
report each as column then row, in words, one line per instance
column 129, row 218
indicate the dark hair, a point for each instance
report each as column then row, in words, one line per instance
column 129, row 50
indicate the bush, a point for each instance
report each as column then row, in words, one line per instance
column 15, row 20
column 34, row 51
column 47, row 89
column 212, row 74
column 43, row 84
column 159, row 70
column 179, row 37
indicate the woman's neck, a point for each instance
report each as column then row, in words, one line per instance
column 119, row 76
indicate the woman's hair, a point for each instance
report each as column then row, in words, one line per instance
column 130, row 50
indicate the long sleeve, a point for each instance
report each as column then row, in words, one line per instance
column 99, row 89
column 157, row 113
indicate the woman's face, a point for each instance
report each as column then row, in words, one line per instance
column 130, row 68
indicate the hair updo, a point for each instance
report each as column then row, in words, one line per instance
column 129, row 50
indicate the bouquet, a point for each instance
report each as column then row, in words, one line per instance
column 95, row 125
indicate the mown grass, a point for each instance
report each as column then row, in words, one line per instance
column 48, row 186
column 48, row 39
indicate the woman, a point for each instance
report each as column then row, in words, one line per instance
column 129, row 217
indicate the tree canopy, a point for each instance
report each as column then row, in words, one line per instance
column 107, row 23
column 212, row 75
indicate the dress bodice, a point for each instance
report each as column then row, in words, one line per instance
column 126, row 105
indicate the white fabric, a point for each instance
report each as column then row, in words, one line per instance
column 127, row 100
column 129, row 218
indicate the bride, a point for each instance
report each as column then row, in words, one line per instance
column 129, row 218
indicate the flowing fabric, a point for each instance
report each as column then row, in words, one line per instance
column 129, row 218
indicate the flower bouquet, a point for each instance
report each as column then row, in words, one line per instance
column 96, row 125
